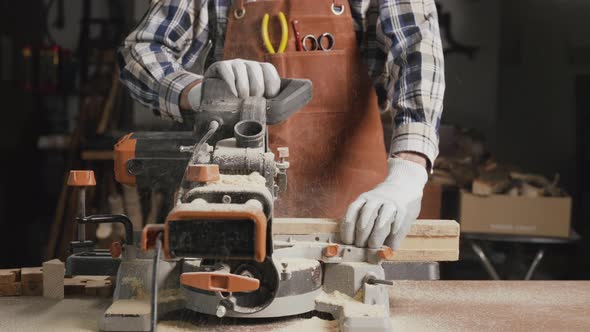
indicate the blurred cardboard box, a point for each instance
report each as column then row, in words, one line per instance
column 516, row 215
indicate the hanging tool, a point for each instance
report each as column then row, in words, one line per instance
column 298, row 44
column 284, row 34
column 316, row 44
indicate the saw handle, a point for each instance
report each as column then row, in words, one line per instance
column 294, row 95
column 218, row 101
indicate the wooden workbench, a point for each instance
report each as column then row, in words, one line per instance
column 415, row 306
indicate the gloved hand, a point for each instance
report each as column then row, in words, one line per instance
column 385, row 214
column 244, row 78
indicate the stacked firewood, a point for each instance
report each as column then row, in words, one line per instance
column 465, row 162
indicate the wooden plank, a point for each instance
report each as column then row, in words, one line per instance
column 291, row 226
column 434, row 228
column 53, row 279
column 428, row 240
column 440, row 243
column 425, row 255
column 421, row 228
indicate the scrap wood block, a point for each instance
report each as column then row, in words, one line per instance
column 32, row 288
column 89, row 286
column 101, row 288
column 11, row 289
column 32, row 281
column 31, row 274
column 53, row 279
column 9, row 276
column 74, row 286
column 85, row 279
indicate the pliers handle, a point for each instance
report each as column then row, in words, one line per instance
column 284, row 34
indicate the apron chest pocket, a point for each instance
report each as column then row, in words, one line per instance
column 329, row 71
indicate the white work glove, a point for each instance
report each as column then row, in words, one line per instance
column 385, row 214
column 244, row 77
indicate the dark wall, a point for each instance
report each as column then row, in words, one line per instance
column 21, row 201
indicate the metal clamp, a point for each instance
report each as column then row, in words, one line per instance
column 316, row 43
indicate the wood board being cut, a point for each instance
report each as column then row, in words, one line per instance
column 428, row 240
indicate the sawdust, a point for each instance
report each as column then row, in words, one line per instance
column 312, row 324
column 490, row 305
column 129, row 307
column 253, row 178
column 36, row 314
column 207, row 326
column 169, row 295
column 177, row 326
column 297, row 264
column 415, row 306
column 136, row 286
column 350, row 306
column 202, row 204
column 89, row 278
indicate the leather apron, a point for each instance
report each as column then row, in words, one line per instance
column 336, row 142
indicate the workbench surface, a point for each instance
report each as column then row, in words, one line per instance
column 415, row 306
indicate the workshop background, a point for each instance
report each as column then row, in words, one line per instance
column 513, row 146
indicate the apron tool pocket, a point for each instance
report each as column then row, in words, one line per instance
column 329, row 71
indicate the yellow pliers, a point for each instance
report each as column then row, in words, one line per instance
column 284, row 34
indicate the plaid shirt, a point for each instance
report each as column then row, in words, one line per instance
column 399, row 40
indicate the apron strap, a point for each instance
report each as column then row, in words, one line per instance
column 239, row 11
column 337, row 7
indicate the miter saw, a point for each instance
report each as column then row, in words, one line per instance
column 215, row 252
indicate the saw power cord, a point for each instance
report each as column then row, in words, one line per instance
column 154, row 298
column 213, row 126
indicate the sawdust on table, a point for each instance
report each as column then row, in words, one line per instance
column 129, row 307
column 178, row 326
column 311, row 324
column 351, row 306
column 192, row 326
column 490, row 305
column 136, row 285
column 170, row 295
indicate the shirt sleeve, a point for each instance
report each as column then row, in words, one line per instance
column 154, row 57
column 416, row 64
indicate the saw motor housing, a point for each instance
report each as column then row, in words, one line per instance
column 226, row 183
